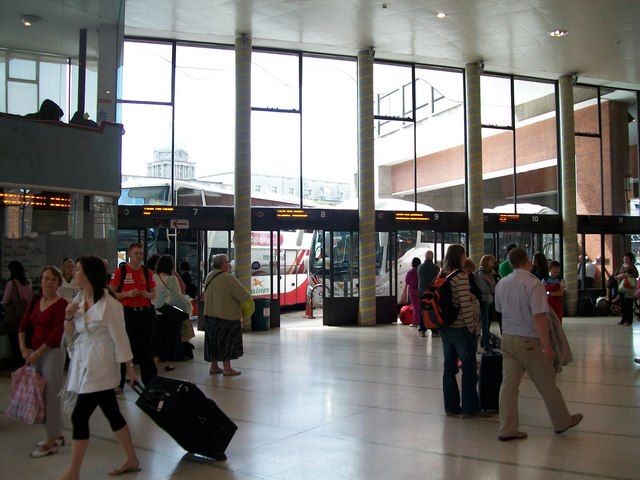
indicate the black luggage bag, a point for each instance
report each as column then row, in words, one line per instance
column 490, row 380
column 184, row 412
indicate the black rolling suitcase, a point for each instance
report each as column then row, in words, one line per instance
column 184, row 412
column 490, row 380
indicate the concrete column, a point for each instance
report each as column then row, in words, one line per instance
column 366, row 191
column 474, row 161
column 242, row 184
column 568, row 169
column 110, row 50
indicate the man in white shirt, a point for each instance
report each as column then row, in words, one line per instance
column 526, row 346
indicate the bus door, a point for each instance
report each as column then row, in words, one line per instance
column 294, row 253
column 339, row 252
column 386, row 264
column 267, row 282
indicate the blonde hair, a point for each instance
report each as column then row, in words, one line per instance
column 469, row 265
column 484, row 262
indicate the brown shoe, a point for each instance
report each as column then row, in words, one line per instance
column 515, row 436
column 576, row 418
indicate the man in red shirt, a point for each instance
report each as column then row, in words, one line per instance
column 135, row 291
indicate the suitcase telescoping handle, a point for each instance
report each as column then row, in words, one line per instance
column 136, row 388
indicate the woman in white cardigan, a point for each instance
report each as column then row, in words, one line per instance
column 95, row 323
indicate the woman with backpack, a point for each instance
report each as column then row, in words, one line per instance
column 459, row 341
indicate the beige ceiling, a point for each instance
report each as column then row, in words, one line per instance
column 509, row 35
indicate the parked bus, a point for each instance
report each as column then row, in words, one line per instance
column 292, row 262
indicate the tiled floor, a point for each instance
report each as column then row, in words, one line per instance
column 327, row 403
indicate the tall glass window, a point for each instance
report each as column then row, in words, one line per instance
column 394, row 136
column 536, row 146
column 606, row 151
column 204, row 121
column 586, row 114
column 146, row 111
column 498, row 148
column 440, row 155
column 146, row 75
column 619, row 151
column 329, row 132
column 275, row 127
column 519, row 145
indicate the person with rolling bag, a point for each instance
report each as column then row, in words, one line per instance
column 97, row 344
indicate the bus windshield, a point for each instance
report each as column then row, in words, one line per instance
column 152, row 195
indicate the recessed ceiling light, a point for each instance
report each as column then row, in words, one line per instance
column 28, row 20
column 559, row 32
column 441, row 15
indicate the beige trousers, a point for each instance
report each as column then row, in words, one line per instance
column 522, row 354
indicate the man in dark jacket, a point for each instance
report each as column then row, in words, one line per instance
column 427, row 272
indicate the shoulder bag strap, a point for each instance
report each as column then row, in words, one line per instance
column 123, row 275
column 207, row 285
column 16, row 291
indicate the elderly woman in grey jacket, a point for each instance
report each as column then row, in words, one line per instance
column 487, row 285
column 223, row 299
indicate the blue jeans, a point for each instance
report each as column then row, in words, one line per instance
column 485, row 310
column 458, row 343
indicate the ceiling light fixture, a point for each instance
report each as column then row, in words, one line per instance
column 559, row 32
column 441, row 15
column 28, row 20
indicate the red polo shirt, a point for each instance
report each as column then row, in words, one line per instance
column 133, row 280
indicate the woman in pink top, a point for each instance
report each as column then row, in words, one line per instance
column 411, row 281
column 18, row 286
column 17, row 295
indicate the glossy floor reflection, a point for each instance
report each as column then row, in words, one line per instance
column 325, row 403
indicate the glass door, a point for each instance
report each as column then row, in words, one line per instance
column 340, row 305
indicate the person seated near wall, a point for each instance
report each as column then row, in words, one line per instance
column 49, row 110
column 83, row 120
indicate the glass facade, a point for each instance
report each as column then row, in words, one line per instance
column 606, row 151
column 27, row 79
column 419, row 145
column 519, row 145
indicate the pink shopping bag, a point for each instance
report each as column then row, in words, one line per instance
column 27, row 396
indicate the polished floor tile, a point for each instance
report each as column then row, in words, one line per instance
column 329, row 403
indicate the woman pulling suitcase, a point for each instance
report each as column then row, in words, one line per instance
column 98, row 343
